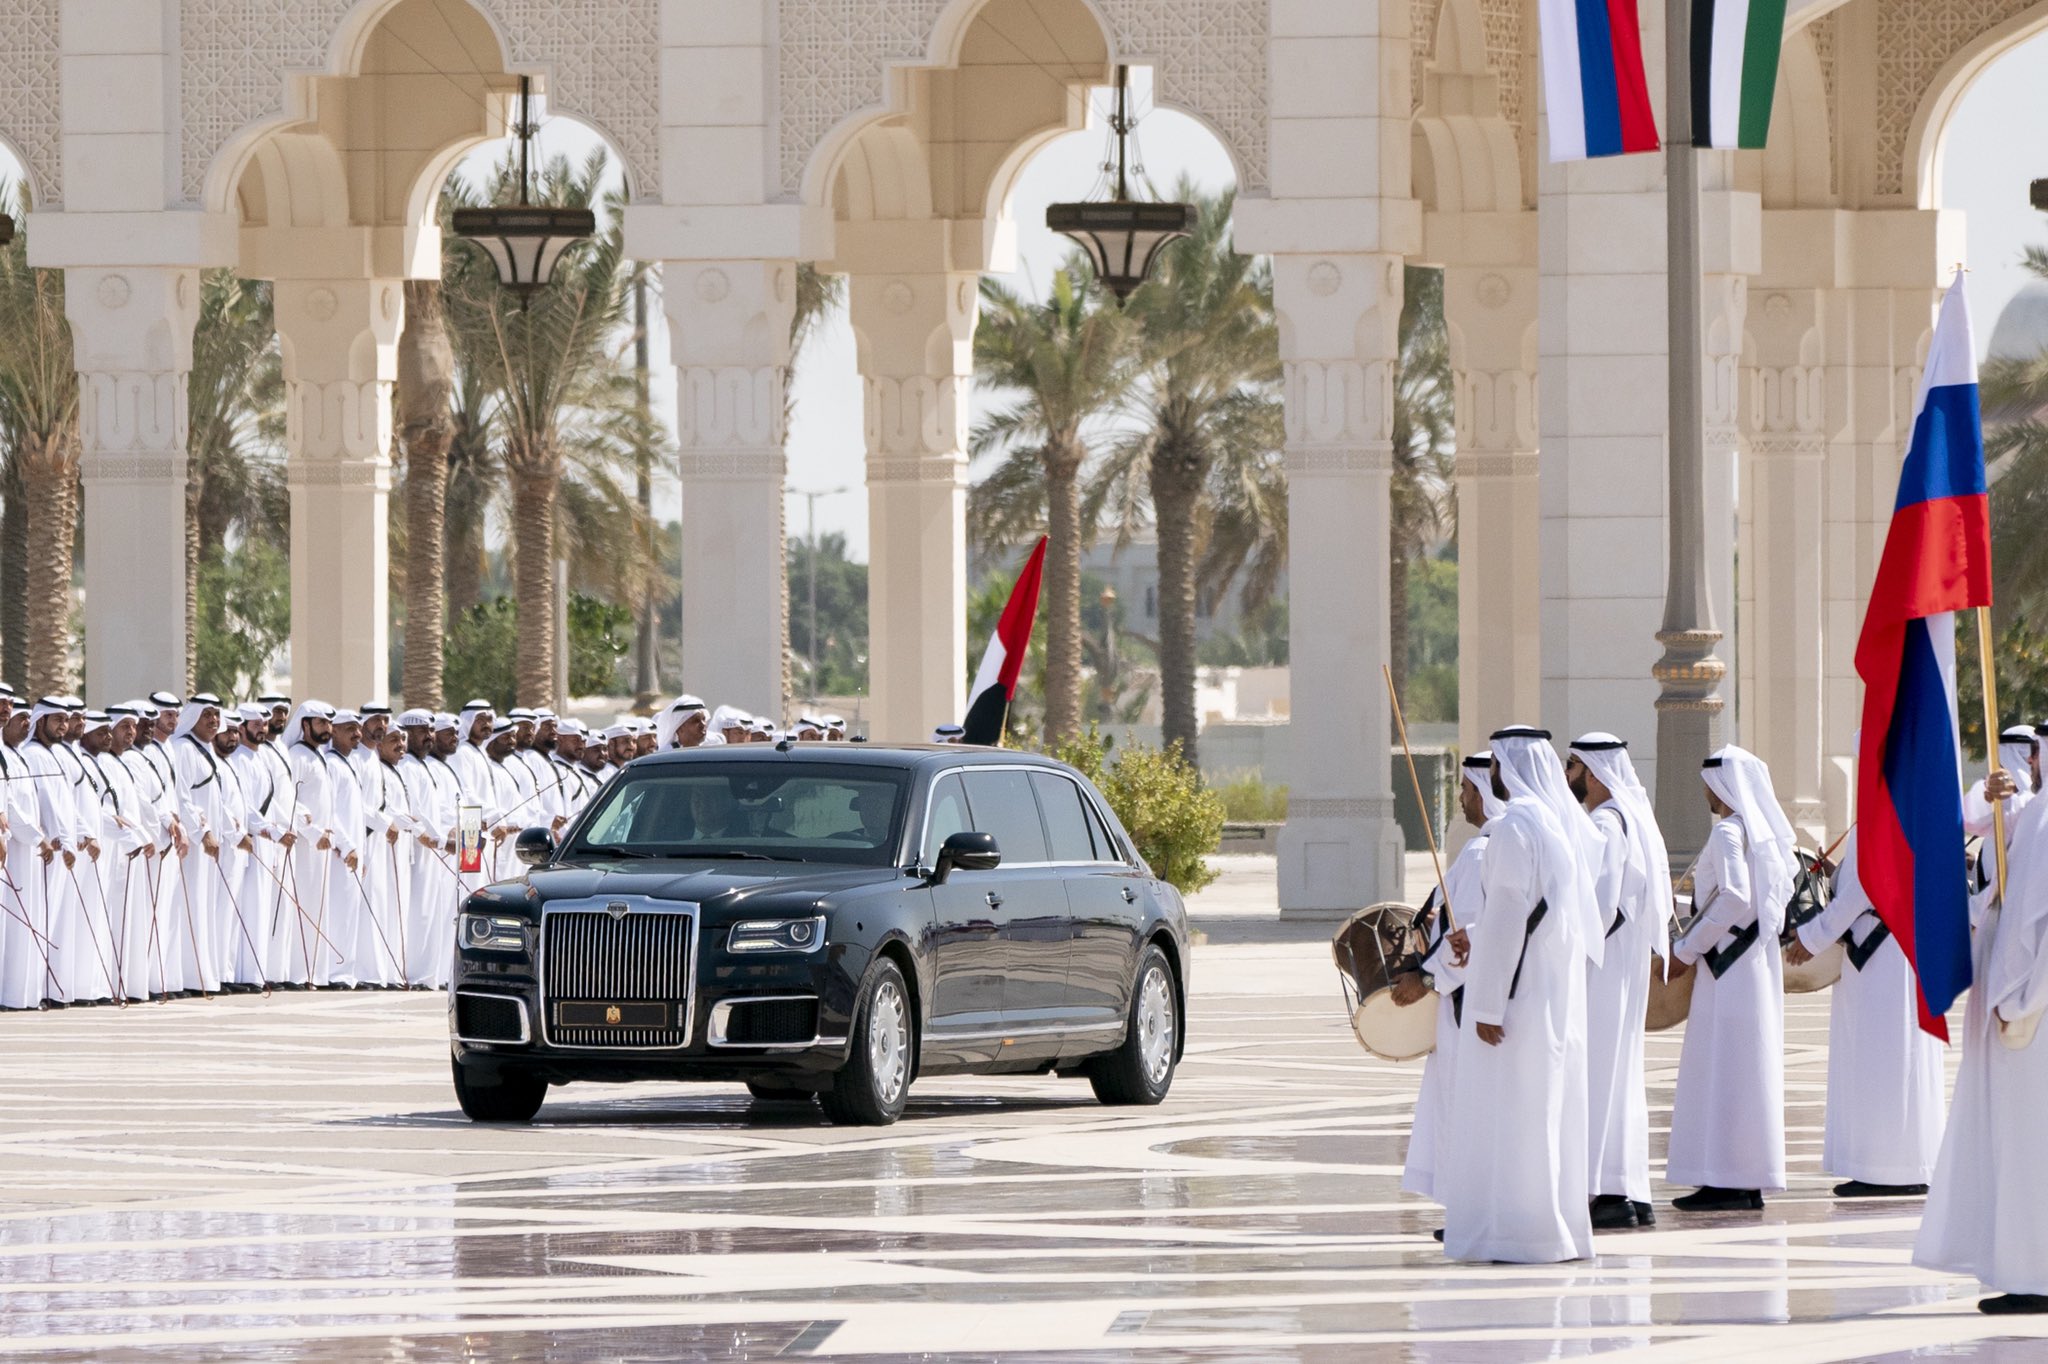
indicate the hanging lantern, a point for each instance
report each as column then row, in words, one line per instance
column 525, row 240
column 6, row 229
column 1122, row 237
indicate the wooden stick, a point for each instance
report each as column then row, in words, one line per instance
column 1428, row 833
column 1991, row 732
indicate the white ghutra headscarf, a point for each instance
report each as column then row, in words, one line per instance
column 1535, row 781
column 1743, row 783
column 1606, row 757
column 1477, row 769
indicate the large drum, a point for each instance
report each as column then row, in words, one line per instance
column 1670, row 996
column 1372, row 946
column 1811, row 891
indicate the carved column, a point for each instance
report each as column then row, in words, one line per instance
column 131, row 337
column 729, row 337
column 1339, row 324
column 1781, row 589
column 1724, row 305
column 915, row 335
column 339, row 339
column 1492, row 318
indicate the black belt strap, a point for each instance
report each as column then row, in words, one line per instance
column 1528, row 932
column 1859, row 954
column 1718, row 961
column 1620, row 918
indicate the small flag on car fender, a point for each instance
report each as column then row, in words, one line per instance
column 995, row 683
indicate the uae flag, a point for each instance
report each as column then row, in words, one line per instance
column 996, row 681
column 1735, row 45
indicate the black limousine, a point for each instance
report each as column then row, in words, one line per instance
column 827, row 920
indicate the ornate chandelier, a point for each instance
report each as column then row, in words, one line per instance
column 1122, row 237
column 526, row 239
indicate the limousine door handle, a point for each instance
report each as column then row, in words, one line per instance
column 995, row 901
column 1130, row 896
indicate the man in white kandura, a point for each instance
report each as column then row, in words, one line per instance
column 1728, row 1115
column 1884, row 1074
column 1513, row 1178
column 1987, row 1212
column 1426, row 1137
column 1633, row 886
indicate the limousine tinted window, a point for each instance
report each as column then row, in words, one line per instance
column 949, row 816
column 1002, row 805
column 1065, row 821
column 803, row 813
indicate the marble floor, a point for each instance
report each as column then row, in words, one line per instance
column 251, row 1179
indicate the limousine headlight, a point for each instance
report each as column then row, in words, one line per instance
column 777, row 935
column 493, row 933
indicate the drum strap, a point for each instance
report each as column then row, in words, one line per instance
column 1528, row 932
column 1860, row 953
column 1718, row 961
column 1620, row 918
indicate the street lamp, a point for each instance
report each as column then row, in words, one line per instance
column 811, row 573
column 1122, row 238
column 2037, row 194
column 525, row 240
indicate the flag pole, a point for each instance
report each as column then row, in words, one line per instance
column 1991, row 732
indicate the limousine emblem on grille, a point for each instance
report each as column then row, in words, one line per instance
column 612, row 1015
column 617, row 909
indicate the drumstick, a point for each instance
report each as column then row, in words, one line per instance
column 1428, row 833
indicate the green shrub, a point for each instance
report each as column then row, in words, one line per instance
column 483, row 643
column 1248, row 799
column 1174, row 819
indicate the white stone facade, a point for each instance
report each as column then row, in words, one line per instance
column 304, row 141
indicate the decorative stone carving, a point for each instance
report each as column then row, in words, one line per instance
column 1208, row 56
column 1496, row 410
column 1508, row 52
column 338, row 421
column 713, row 284
column 1494, row 291
column 728, row 408
column 1341, row 807
column 338, row 473
column 1324, row 278
column 919, row 416
column 1339, row 402
column 1915, row 39
column 32, row 96
column 129, row 419
column 602, row 57
column 898, row 297
column 113, row 292
column 739, row 465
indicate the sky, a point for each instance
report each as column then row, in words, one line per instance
column 1981, row 176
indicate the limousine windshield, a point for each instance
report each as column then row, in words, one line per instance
column 802, row 813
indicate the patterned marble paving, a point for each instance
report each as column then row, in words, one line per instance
column 288, row 1179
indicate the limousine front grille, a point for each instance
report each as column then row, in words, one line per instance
column 616, row 980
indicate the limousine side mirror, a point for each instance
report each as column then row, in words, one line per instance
column 534, row 846
column 966, row 851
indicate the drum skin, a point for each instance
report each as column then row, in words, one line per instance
column 1670, row 999
column 1367, row 948
column 1817, row 974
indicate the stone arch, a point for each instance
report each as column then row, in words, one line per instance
column 1464, row 156
column 1798, row 157
column 1998, row 26
column 842, row 67
column 234, row 90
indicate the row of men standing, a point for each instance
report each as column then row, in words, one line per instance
column 165, row 847
column 1532, row 1126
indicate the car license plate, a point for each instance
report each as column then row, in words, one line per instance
column 579, row 1014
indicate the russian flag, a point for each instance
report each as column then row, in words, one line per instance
column 1936, row 561
column 1598, row 98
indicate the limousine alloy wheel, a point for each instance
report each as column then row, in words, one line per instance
column 512, row 1098
column 871, row 1088
column 1141, row 1070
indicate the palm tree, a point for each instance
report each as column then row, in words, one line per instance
column 2015, row 397
column 39, row 417
column 1067, row 360
column 1211, row 347
column 235, row 391
column 537, row 354
column 426, row 428
column 818, row 296
column 1422, row 505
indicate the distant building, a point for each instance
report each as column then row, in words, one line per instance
column 1133, row 573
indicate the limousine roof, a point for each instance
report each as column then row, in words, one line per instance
column 913, row 756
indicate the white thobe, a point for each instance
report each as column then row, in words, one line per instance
column 26, row 969
column 273, row 788
column 63, row 925
column 101, row 964
column 201, row 906
column 1885, row 1075
column 151, row 878
column 499, row 864
column 1987, row 1205
column 126, row 880
column 320, row 947
column 1617, row 1005
column 244, row 922
column 431, row 888
column 1728, row 1115
column 387, row 868
column 1439, row 1069
column 348, row 911
column 547, row 785
column 1513, row 1177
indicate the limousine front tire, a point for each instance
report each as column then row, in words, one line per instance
column 510, row 1096
column 872, row 1087
column 1141, row 1070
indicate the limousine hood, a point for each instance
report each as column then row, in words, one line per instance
column 705, row 883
